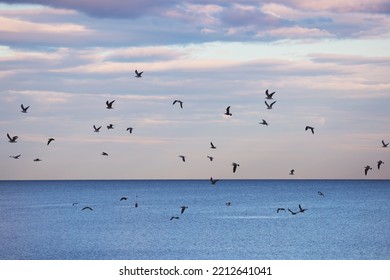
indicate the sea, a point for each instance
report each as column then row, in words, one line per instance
column 231, row 220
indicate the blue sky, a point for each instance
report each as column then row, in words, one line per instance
column 328, row 64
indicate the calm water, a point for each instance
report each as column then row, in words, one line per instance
column 38, row 220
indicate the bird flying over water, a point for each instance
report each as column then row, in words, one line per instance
column 309, row 128
column 178, row 101
column 12, row 139
column 235, row 165
column 263, row 122
column 269, row 95
column 49, row 141
column 138, row 74
column 269, row 106
column 109, row 104
column 97, row 129
column 183, row 208
column 24, row 109
column 366, row 169
column 384, row 145
column 379, row 164
column 15, row 157
column 183, row 158
column 213, row 181
column 227, row 113
column 292, row 171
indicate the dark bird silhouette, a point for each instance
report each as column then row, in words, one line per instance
column 292, row 212
column 109, row 104
column 87, row 208
column 97, row 129
column 309, row 127
column 110, row 126
column 228, row 203
column 138, row 74
column 321, row 194
column 379, row 164
column 235, row 165
column 129, row 129
column 123, row 198
column 104, row 154
column 24, row 109
column 227, row 113
column 49, row 141
column 301, row 209
column 210, row 158
column 212, row 145
column 183, row 208
column 263, row 122
column 269, row 106
column 384, row 145
column 292, row 171
column 366, row 169
column 174, row 217
column 280, row 209
column 269, row 95
column 183, row 158
column 37, row 159
column 178, row 101
column 74, row 203
column 213, row 181
column 12, row 139
column 15, row 157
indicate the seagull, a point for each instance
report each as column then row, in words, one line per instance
column 210, row 158
column 183, row 158
column 129, row 129
column 269, row 95
column 110, row 126
column 212, row 145
column 269, row 106
column 174, row 217
column 123, row 198
column 178, row 101
column 366, row 169
column 294, row 213
column 37, row 159
column 49, row 141
column 213, row 181
column 109, row 104
column 87, row 208
column 379, row 164
column 301, row 209
column 292, row 171
column 74, row 203
column 97, row 129
column 12, row 139
column 104, row 154
column 235, row 166
column 138, row 74
column 311, row 128
column 384, row 145
column 264, row 122
column 227, row 113
column 24, row 109
column 320, row 193
column 15, row 157
column 183, row 208
column 228, row 203
column 280, row 209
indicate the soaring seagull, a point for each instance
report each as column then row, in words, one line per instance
column 97, row 129
column 183, row 208
column 104, row 154
column 210, row 158
column 178, row 101
column 235, row 165
column 87, row 208
column 269, row 95
column 292, row 171
column 15, row 157
column 138, row 74
column 37, row 159
column 183, row 158
column 24, row 109
column 366, row 169
column 379, row 164
column 269, row 106
column 301, row 209
column 213, row 181
column 12, row 139
column 280, row 209
column 123, row 198
column 174, row 218
column 263, row 122
column 309, row 127
column 129, row 129
column 109, row 104
column 384, row 145
column 110, row 126
column 292, row 212
column 212, row 145
column 49, row 141
column 227, row 113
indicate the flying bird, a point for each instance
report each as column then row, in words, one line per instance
column 292, row 212
column 210, row 158
column 212, row 145
column 366, row 169
column 384, row 145
column 12, row 139
column 213, row 181
column 321, row 194
column 309, row 127
column 235, row 165
column 280, row 209
column 87, row 208
column 263, row 122
column 138, row 74
column 183, row 158
column 109, row 104
column 183, row 208
column 24, row 109
column 104, row 154
column 178, row 101
column 37, row 159
column 174, row 217
column 129, row 129
column 269, row 106
column 301, row 209
column 97, row 129
column 269, row 95
column 49, row 141
column 123, row 198
column 228, row 203
column 379, row 164
column 110, row 126
column 227, row 113
column 15, row 157
column 292, row 171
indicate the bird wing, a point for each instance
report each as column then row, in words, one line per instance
column 9, row 137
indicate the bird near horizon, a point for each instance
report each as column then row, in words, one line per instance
column 380, row 162
column 138, row 74
column 96, row 129
column 309, row 128
column 15, row 157
column 366, row 169
column 269, row 95
column 212, row 146
column 12, row 139
column 183, row 158
column 109, row 104
column 183, row 208
column 269, row 106
column 178, row 101
column 235, row 165
column 227, row 112
column 129, row 129
column 49, row 141
column 24, row 109
column 384, row 145
column 213, row 181
column 292, row 172
column 264, row 122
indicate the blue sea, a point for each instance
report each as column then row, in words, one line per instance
column 44, row 220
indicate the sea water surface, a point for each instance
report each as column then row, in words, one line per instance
column 39, row 220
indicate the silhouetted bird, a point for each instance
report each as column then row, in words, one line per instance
column 183, row 208
column 321, row 194
column 280, row 209
column 213, row 181
column 227, row 113
column 210, row 158
column 366, row 169
column 87, row 208
column 110, row 126
column 37, row 159
column 269, row 106
column 12, row 139
column 178, row 101
column 174, row 217
column 311, row 128
column 74, row 203
column 15, row 157
column 97, row 129
column 129, row 129
column 109, row 104
column 292, row 212
column 301, row 209
column 235, row 165
column 24, row 109
column 183, row 158
column 292, row 171
column 138, row 74
column 123, row 198
column 212, row 145
column 104, row 154
column 269, row 95
column 263, row 122
column 384, row 145
column 228, row 203
column 379, row 164
column 49, row 141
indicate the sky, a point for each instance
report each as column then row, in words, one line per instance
column 328, row 63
